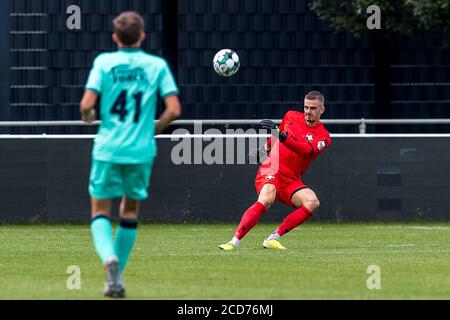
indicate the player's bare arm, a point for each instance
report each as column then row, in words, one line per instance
column 87, row 106
column 172, row 112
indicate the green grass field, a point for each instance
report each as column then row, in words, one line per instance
column 324, row 261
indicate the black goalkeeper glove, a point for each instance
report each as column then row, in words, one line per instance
column 270, row 125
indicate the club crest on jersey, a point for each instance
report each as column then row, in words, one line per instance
column 321, row 145
column 309, row 137
column 270, row 178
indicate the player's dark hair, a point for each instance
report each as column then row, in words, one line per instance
column 128, row 26
column 315, row 95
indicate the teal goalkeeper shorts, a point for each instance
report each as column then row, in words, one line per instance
column 110, row 180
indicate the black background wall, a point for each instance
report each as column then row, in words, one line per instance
column 285, row 51
column 356, row 179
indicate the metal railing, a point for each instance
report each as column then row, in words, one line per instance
column 361, row 123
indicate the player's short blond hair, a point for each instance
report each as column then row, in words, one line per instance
column 128, row 26
column 315, row 95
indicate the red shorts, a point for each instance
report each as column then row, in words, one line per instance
column 286, row 187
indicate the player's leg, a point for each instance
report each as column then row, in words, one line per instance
column 101, row 228
column 136, row 179
column 105, row 183
column 307, row 203
column 126, row 233
column 102, row 234
column 266, row 198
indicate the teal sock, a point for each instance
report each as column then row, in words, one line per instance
column 124, row 241
column 101, row 228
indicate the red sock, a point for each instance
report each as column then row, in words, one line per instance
column 293, row 220
column 250, row 219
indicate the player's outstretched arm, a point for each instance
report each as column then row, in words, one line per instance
column 172, row 112
column 302, row 147
column 87, row 105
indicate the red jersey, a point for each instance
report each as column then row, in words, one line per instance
column 302, row 146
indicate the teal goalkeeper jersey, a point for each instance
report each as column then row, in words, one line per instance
column 128, row 82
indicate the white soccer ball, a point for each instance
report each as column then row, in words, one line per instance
column 226, row 62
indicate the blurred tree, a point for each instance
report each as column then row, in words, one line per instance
column 433, row 16
column 399, row 18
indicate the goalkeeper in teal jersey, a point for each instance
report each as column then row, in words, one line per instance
column 128, row 82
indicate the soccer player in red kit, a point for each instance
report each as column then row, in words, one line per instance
column 293, row 146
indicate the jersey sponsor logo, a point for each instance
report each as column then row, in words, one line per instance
column 321, row 145
column 310, row 137
column 270, row 178
column 123, row 74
